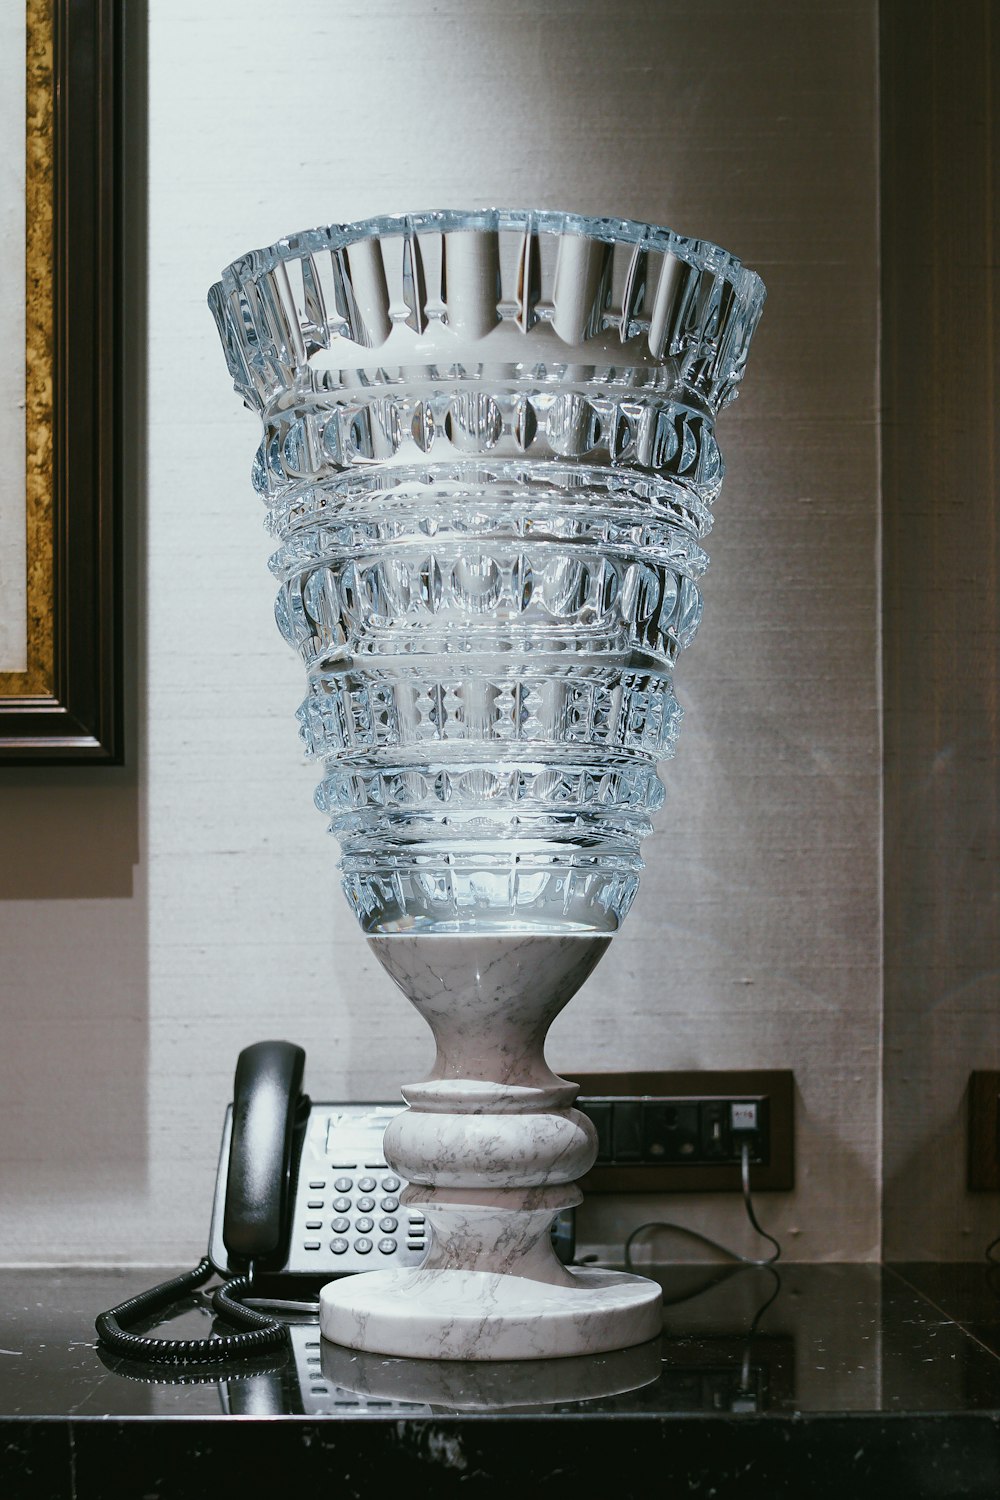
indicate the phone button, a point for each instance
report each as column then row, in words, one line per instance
column 388, row 1226
column 390, row 1184
column 366, row 1184
column 317, row 1186
column 362, row 1246
column 389, row 1205
column 339, row 1226
column 314, row 1223
column 314, row 1203
column 365, row 1226
column 310, row 1244
column 344, row 1184
column 341, row 1205
column 365, row 1205
column 339, row 1246
column 387, row 1247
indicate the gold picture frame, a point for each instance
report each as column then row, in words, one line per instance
column 66, row 706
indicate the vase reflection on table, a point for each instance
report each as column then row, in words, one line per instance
column 489, row 460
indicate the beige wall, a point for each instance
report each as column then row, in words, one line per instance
column 155, row 920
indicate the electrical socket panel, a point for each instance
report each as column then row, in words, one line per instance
column 685, row 1132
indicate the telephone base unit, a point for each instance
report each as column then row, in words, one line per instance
column 348, row 1209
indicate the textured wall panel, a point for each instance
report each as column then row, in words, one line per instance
column 755, row 941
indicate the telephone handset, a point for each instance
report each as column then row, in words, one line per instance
column 265, row 1126
column 322, row 1195
column 304, row 1192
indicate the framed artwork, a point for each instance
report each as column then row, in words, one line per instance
column 60, row 500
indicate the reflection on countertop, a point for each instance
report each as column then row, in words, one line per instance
column 736, row 1340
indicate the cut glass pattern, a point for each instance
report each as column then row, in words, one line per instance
column 489, row 461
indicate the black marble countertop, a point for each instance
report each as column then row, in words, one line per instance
column 841, row 1380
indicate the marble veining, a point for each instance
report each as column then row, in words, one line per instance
column 476, row 1315
column 490, row 1001
column 492, row 1149
column 497, row 1150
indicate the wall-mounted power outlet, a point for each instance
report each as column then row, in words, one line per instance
column 984, row 1132
column 685, row 1132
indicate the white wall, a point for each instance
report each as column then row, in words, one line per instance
column 155, row 921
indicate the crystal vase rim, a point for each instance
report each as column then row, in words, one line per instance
column 703, row 254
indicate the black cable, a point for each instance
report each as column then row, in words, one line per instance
column 766, row 1264
column 696, row 1234
column 748, row 1205
column 994, row 1260
column 261, row 1334
column 746, row 1384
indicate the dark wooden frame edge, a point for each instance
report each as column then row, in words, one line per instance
column 82, row 722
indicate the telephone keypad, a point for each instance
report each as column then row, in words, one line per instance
column 347, row 1188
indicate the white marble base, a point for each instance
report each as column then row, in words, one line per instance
column 479, row 1315
column 491, row 1149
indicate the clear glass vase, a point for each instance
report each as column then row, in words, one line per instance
column 489, row 461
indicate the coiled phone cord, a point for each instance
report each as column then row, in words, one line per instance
column 261, row 1334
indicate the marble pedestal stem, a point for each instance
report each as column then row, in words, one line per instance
column 492, row 1148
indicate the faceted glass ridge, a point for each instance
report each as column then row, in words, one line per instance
column 489, row 460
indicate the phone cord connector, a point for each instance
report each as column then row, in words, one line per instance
column 260, row 1334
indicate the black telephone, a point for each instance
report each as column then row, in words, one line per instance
column 303, row 1192
column 304, row 1189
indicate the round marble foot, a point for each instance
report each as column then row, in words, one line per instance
column 454, row 1314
